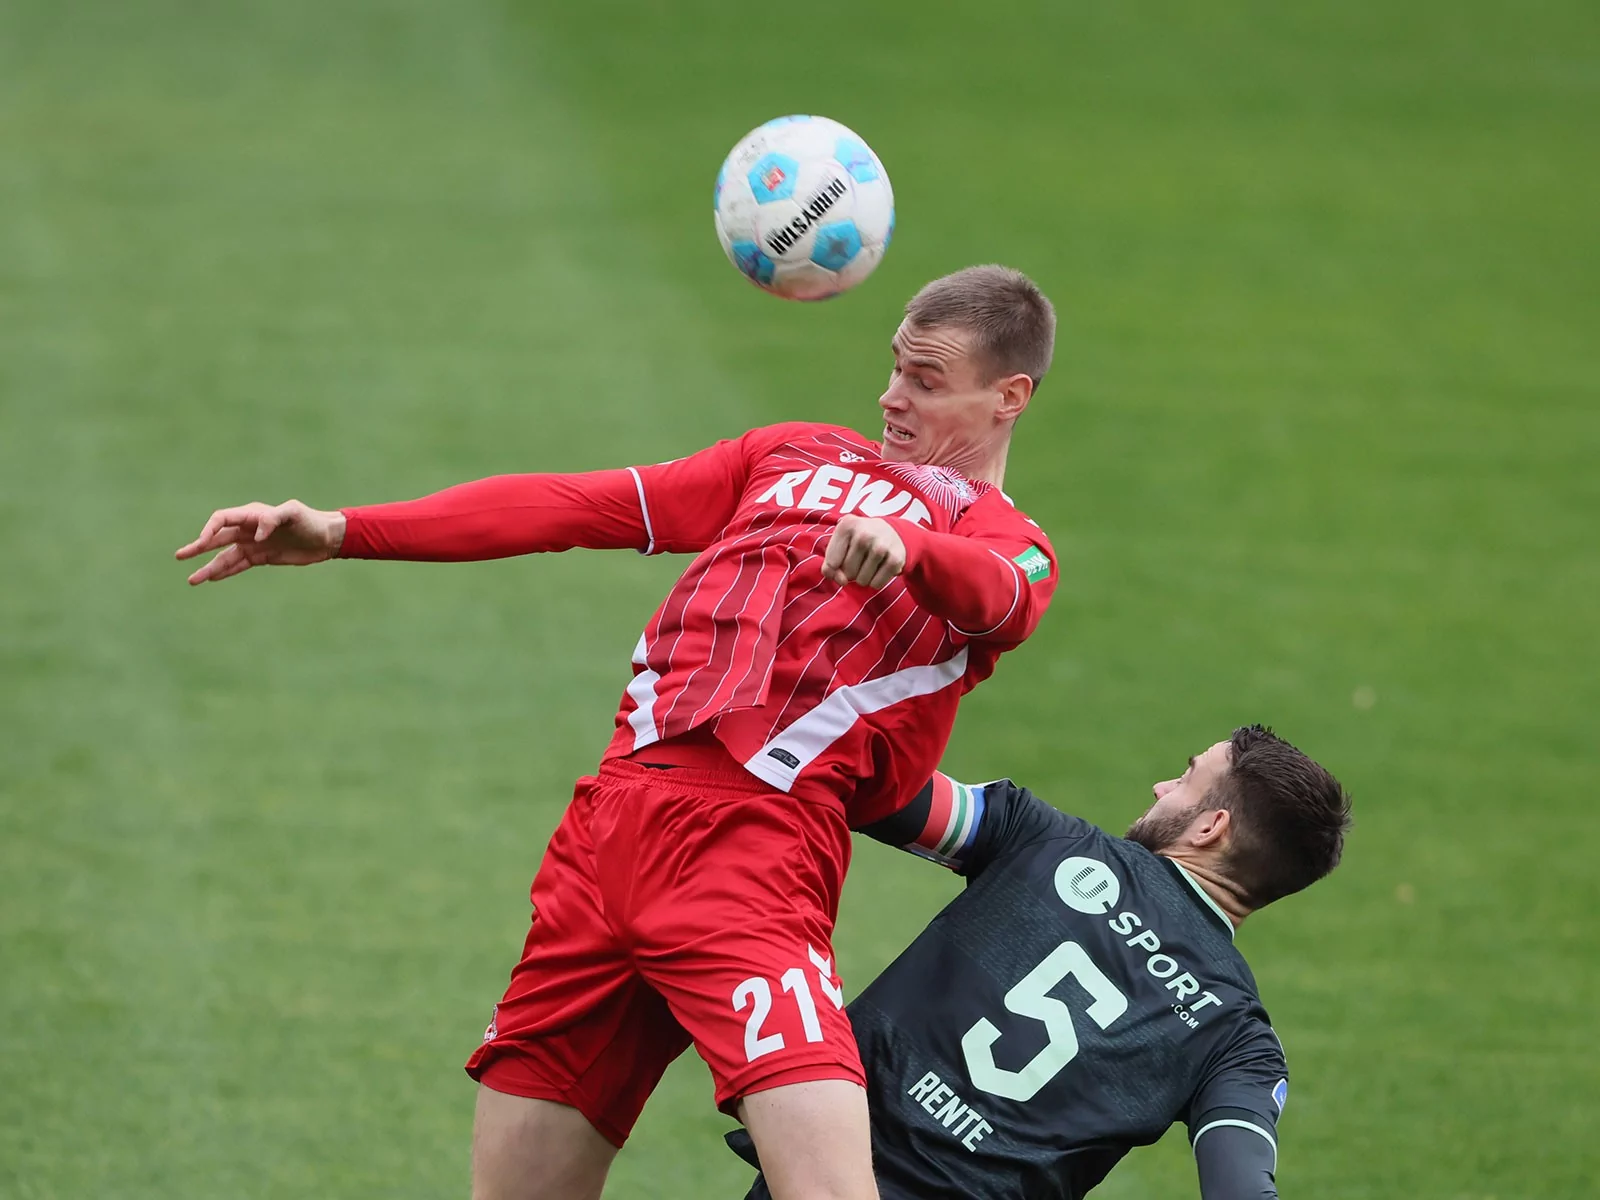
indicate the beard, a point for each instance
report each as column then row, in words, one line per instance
column 1158, row 831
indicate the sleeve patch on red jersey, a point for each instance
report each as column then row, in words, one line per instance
column 1035, row 564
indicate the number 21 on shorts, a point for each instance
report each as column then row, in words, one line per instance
column 755, row 994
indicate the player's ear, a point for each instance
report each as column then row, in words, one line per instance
column 1015, row 392
column 1211, row 828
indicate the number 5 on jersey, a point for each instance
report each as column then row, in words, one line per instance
column 1031, row 998
column 755, row 993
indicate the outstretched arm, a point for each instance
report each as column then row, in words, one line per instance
column 941, row 822
column 966, row 826
column 490, row 518
column 677, row 506
column 504, row 516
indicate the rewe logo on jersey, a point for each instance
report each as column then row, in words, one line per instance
column 835, row 489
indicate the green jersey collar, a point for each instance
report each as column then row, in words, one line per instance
column 1206, row 897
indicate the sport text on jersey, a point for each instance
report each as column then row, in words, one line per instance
column 1088, row 885
column 838, row 489
column 1092, row 887
column 1164, row 966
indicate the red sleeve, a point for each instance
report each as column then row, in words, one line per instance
column 501, row 517
column 682, row 505
column 991, row 584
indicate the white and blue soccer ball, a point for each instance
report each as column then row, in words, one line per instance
column 804, row 208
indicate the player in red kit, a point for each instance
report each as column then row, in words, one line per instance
column 801, row 678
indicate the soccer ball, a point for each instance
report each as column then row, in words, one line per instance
column 804, row 208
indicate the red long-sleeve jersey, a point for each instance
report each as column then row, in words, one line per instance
column 843, row 694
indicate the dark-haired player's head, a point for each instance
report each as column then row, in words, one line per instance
column 967, row 358
column 1268, row 818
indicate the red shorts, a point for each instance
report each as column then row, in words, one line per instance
column 676, row 906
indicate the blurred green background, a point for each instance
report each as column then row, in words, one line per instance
column 1319, row 449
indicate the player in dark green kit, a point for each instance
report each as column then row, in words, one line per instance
column 1084, row 992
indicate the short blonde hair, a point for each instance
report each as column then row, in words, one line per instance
column 1012, row 323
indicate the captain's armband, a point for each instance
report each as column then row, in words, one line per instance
column 940, row 823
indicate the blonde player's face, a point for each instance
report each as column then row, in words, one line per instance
column 938, row 408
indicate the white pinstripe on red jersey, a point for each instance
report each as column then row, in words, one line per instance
column 753, row 639
column 818, row 538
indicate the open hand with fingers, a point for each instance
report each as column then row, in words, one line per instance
column 864, row 550
column 290, row 534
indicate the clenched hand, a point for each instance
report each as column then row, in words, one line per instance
column 290, row 534
column 864, row 550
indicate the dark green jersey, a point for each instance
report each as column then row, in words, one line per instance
column 1078, row 998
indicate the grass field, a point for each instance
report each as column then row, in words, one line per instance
column 1319, row 449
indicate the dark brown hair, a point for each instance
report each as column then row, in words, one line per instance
column 1288, row 816
column 1013, row 325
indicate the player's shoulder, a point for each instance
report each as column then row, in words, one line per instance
column 996, row 509
column 809, row 435
column 1013, row 819
column 1245, row 1078
column 1247, row 1048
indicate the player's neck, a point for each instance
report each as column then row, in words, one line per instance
column 985, row 465
column 1215, row 885
column 993, row 470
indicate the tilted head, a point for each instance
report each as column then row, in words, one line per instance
column 967, row 358
column 1256, row 811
